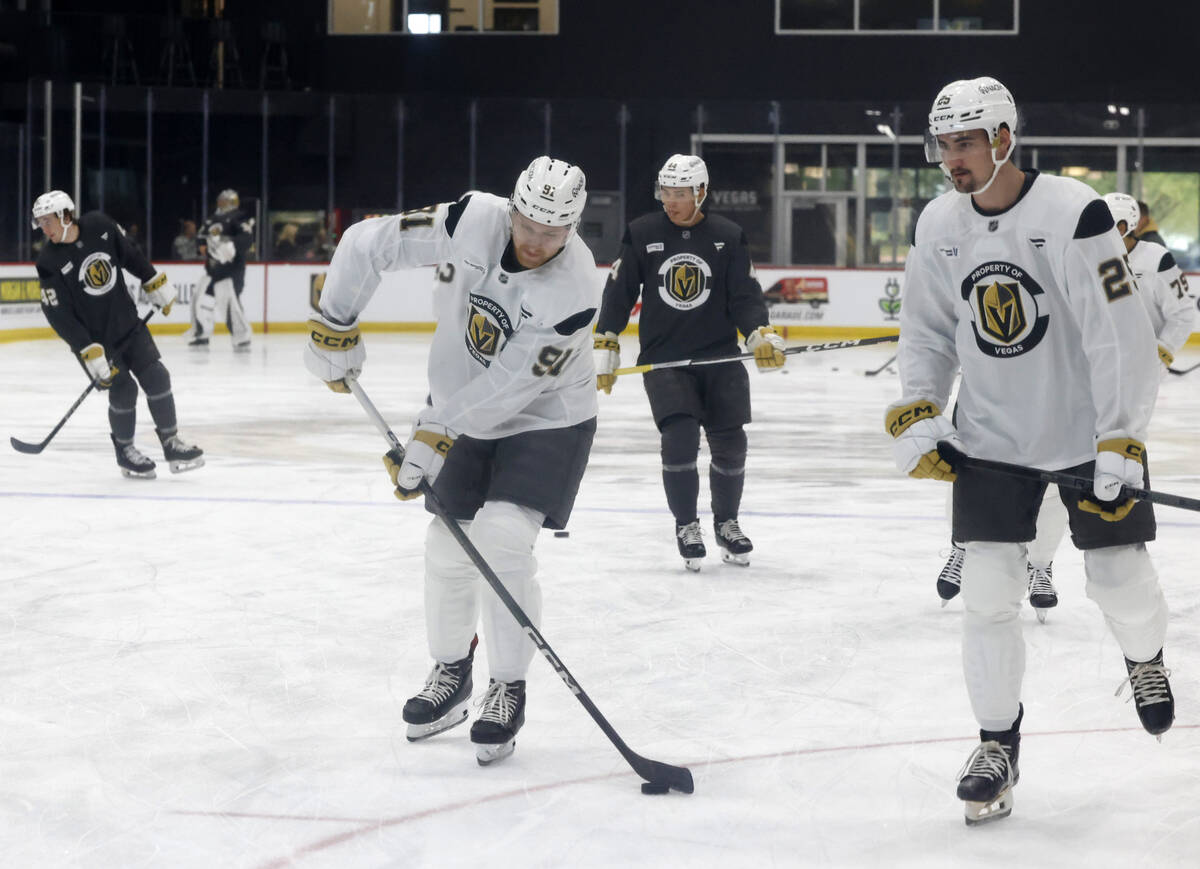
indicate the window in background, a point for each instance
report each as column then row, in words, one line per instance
column 950, row 17
column 428, row 17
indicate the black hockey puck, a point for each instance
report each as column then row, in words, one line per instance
column 653, row 787
column 562, row 533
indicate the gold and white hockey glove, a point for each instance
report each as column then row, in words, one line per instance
column 767, row 347
column 917, row 426
column 423, row 458
column 160, row 293
column 1119, row 463
column 97, row 366
column 334, row 351
column 606, row 352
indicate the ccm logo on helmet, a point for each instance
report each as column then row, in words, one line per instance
column 333, row 342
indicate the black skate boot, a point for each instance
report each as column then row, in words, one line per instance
column 986, row 780
column 180, row 455
column 443, row 702
column 198, row 341
column 1042, row 593
column 1151, row 693
column 735, row 546
column 691, row 544
column 132, row 461
column 949, row 581
column 503, row 712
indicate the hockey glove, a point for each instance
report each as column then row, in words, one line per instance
column 767, row 347
column 606, row 351
column 221, row 249
column 1166, row 357
column 917, row 426
column 97, row 366
column 1119, row 463
column 334, row 352
column 422, row 458
column 160, row 293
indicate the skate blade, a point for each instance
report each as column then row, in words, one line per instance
column 138, row 475
column 981, row 813
column 241, row 348
column 692, row 564
column 453, row 718
column 1041, row 614
column 182, row 465
column 486, row 755
column 742, row 560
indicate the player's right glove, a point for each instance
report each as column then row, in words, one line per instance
column 422, row 459
column 97, row 366
column 334, row 352
column 1119, row 463
column 606, row 351
column 917, row 426
column 767, row 347
column 160, row 293
column 1166, row 357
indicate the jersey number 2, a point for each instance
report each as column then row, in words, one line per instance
column 1115, row 278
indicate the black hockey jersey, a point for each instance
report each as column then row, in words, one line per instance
column 226, row 239
column 697, row 284
column 84, row 296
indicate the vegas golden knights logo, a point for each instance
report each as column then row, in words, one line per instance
column 98, row 273
column 1003, row 314
column 484, row 334
column 685, row 281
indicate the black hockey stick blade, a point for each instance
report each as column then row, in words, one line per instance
column 881, row 367
column 1182, row 371
column 653, row 771
column 956, row 459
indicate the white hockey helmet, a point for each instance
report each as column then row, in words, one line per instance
column 551, row 192
column 52, row 202
column 684, row 170
column 227, row 200
column 1123, row 207
column 972, row 104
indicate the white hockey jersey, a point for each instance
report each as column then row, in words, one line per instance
column 512, row 351
column 1164, row 292
column 1037, row 306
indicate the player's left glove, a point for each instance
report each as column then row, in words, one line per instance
column 334, row 352
column 1119, row 463
column 160, row 293
column 767, row 347
column 917, row 426
column 1166, row 357
column 606, row 352
column 423, row 458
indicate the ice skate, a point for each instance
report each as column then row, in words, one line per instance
column 198, row 341
column 132, row 461
column 443, row 702
column 1042, row 593
column 735, row 546
column 691, row 544
column 986, row 780
column 503, row 712
column 243, row 347
column 949, row 581
column 180, row 455
column 1151, row 694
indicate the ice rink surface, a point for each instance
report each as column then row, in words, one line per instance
column 208, row 669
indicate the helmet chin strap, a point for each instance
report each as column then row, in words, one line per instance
column 66, row 224
column 996, row 164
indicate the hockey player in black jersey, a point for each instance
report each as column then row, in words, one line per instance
column 225, row 239
column 698, row 291
column 85, row 299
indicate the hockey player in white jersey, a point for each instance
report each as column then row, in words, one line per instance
column 505, row 436
column 1020, row 281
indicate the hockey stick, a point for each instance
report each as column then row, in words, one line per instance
column 804, row 348
column 880, row 368
column 957, row 459
column 1183, row 371
column 659, row 776
column 33, row 449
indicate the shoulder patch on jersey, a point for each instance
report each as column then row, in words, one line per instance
column 575, row 322
column 455, row 213
column 1095, row 220
column 1167, row 262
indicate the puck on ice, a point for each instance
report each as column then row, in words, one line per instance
column 562, row 533
column 651, row 787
